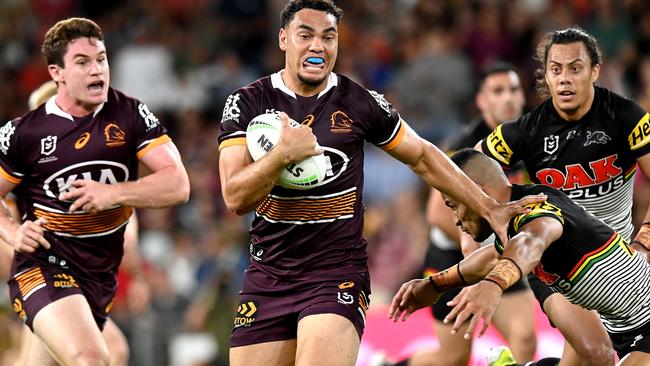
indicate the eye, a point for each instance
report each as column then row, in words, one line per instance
column 82, row 62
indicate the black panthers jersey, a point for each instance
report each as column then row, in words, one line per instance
column 590, row 264
column 316, row 231
column 592, row 160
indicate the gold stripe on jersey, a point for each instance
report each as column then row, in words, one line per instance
column 598, row 254
column 399, row 136
column 498, row 146
column 308, row 209
column 30, row 281
column 154, row 143
column 640, row 135
column 8, row 177
column 232, row 142
column 85, row 224
column 538, row 209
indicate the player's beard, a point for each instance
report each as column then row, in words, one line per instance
column 311, row 82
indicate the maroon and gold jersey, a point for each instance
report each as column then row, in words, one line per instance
column 47, row 149
column 316, row 231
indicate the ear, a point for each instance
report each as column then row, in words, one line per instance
column 282, row 39
column 595, row 73
column 480, row 101
column 56, row 73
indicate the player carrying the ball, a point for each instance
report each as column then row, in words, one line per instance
column 306, row 290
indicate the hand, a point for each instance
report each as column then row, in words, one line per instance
column 499, row 217
column 29, row 236
column 413, row 295
column 89, row 196
column 477, row 302
column 296, row 143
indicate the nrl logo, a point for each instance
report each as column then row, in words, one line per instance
column 551, row 144
column 48, row 145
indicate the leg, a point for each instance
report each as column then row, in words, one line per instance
column 453, row 350
column 277, row 353
column 515, row 319
column 67, row 327
column 582, row 329
column 326, row 339
column 37, row 353
column 118, row 348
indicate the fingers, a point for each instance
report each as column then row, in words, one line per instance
column 518, row 205
column 30, row 236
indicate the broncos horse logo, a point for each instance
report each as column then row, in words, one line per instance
column 596, row 137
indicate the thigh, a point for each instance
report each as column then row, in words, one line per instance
column 277, row 353
column 36, row 352
column 67, row 327
column 515, row 314
column 326, row 339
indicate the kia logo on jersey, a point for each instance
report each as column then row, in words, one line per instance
column 551, row 144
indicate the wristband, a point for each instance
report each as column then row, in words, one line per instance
column 448, row 279
column 505, row 273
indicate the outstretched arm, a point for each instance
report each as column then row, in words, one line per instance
column 419, row 293
column 435, row 168
column 519, row 257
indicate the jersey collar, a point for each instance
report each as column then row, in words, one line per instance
column 278, row 83
column 52, row 108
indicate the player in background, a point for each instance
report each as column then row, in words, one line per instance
column 499, row 98
column 588, row 142
column 306, row 290
column 593, row 265
column 81, row 148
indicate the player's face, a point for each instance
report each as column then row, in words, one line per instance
column 571, row 77
column 311, row 43
column 469, row 221
column 501, row 98
column 85, row 76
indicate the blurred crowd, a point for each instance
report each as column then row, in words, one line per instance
column 184, row 57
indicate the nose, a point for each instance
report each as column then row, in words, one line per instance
column 458, row 222
column 316, row 45
column 565, row 77
column 96, row 68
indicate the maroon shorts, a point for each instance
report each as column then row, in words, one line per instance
column 33, row 285
column 270, row 309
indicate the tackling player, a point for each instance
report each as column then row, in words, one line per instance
column 585, row 260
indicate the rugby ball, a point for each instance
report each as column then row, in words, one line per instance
column 263, row 132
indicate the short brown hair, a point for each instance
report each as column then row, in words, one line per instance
column 57, row 38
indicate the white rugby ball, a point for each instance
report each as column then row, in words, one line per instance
column 263, row 132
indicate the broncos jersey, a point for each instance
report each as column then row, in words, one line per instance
column 591, row 264
column 316, row 231
column 47, row 149
column 592, row 160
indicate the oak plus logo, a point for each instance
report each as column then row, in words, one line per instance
column 102, row 171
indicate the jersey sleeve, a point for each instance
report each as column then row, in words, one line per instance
column 537, row 210
column 238, row 111
column 503, row 143
column 149, row 132
column 382, row 122
column 12, row 167
column 636, row 124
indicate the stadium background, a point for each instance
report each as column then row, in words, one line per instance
column 183, row 58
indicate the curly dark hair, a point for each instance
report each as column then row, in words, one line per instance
column 564, row 36
column 295, row 6
column 57, row 38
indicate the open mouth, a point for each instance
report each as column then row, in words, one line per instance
column 566, row 94
column 96, row 87
column 314, row 63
